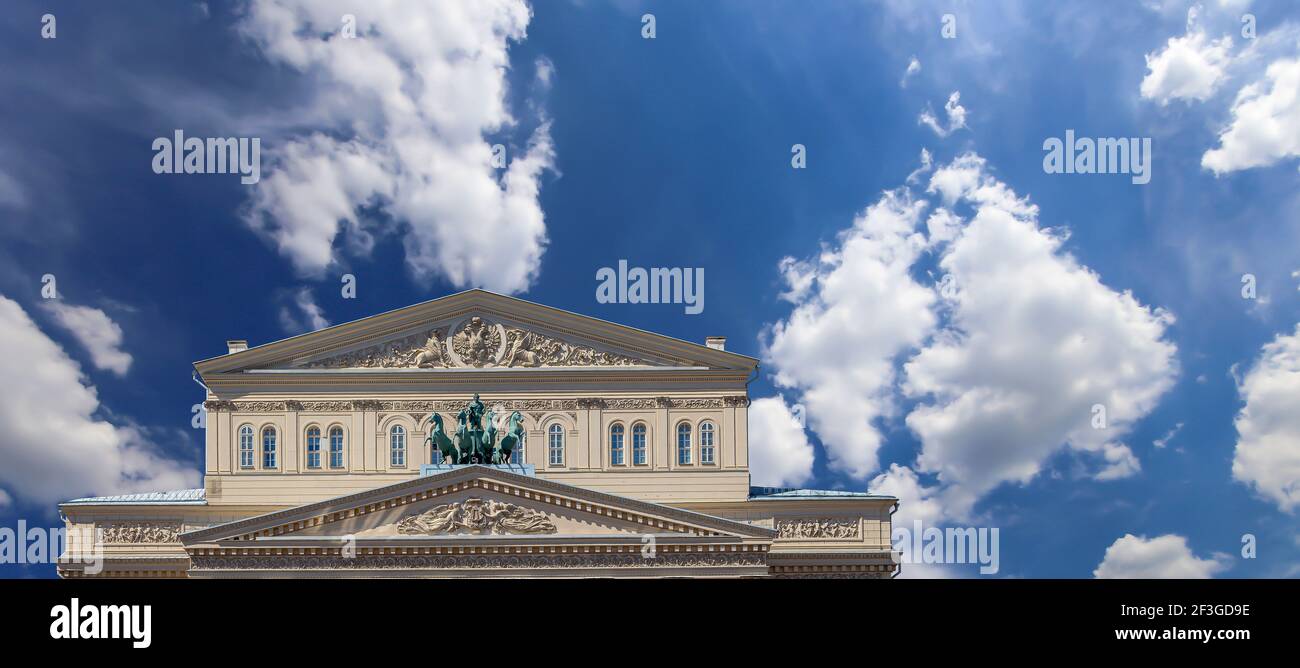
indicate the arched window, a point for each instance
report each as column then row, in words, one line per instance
column 684, row 443
column 268, row 448
column 638, row 444
column 336, row 447
column 555, row 445
column 246, row 447
column 313, row 448
column 397, row 446
column 616, row 445
column 706, row 443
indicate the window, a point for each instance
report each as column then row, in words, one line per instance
column 616, row 445
column 555, row 445
column 638, row 444
column 683, row 443
column 517, row 455
column 268, row 448
column 706, row 443
column 336, row 447
column 246, row 447
column 397, row 446
column 313, row 448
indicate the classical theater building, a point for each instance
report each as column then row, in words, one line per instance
column 630, row 459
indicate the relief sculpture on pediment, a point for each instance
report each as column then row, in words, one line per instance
column 473, row 343
column 480, row 516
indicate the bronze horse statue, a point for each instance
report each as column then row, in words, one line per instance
column 442, row 443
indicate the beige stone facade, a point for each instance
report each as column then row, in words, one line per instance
column 635, row 462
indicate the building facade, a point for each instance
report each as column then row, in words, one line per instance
column 619, row 453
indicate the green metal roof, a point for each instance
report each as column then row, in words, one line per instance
column 777, row 493
column 194, row 497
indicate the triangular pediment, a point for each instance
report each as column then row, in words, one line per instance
column 474, row 330
column 471, row 502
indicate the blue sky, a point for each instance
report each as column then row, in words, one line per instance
column 676, row 152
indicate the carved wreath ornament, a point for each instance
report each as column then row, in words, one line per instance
column 477, row 516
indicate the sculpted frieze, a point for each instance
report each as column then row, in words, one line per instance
column 474, row 343
column 139, row 533
column 821, row 528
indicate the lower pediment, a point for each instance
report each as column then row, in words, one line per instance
column 476, row 511
column 471, row 503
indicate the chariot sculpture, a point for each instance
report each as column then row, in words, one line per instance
column 473, row 443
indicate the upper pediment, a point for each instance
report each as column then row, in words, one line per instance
column 472, row 342
column 474, row 330
column 474, row 502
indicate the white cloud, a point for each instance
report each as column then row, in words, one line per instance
column 302, row 314
column 411, row 102
column 857, row 309
column 916, row 500
column 779, row 452
column 1163, row 441
column 1034, row 341
column 1031, row 341
column 1267, row 456
column 1190, row 67
column 1120, row 462
column 913, row 66
column 916, row 503
column 927, row 164
column 54, row 448
column 5, row 499
column 94, row 330
column 956, row 116
column 1168, row 556
column 1265, row 125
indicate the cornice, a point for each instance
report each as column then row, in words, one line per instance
column 453, row 405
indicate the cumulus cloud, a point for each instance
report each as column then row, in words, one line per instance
column 1167, row 556
column 917, row 502
column 54, row 447
column 301, row 313
column 1267, row 455
column 779, row 452
column 1006, row 370
column 96, row 332
column 1034, row 342
column 5, row 499
column 1190, row 67
column 956, row 116
column 408, row 107
column 857, row 309
column 1265, row 125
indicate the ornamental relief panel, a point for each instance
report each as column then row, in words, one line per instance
column 478, row 516
column 475, row 343
column 139, row 532
column 821, row 528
